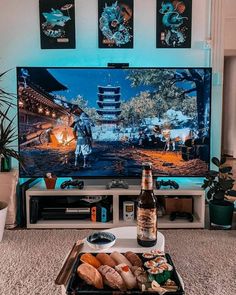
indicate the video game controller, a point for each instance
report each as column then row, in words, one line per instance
column 76, row 183
column 186, row 215
column 171, row 183
column 117, row 184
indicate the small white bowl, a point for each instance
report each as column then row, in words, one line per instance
column 101, row 240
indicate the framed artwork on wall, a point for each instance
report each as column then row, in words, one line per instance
column 174, row 23
column 115, row 23
column 57, row 24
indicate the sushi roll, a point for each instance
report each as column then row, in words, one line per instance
column 150, row 264
column 148, row 255
column 166, row 266
column 157, row 252
column 160, row 260
column 155, row 270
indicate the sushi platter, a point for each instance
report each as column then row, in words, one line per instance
column 124, row 273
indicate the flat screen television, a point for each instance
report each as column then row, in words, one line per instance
column 105, row 122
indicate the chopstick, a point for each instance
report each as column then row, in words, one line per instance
column 67, row 267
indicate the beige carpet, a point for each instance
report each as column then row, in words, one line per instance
column 31, row 259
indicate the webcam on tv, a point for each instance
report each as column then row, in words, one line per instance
column 118, row 65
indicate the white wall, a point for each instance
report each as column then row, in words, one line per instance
column 20, row 39
column 230, row 25
column 229, row 114
column 20, row 42
column 229, row 94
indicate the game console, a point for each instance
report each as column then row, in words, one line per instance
column 117, row 184
column 171, row 183
column 58, row 207
column 75, row 183
column 65, row 213
column 185, row 215
column 128, row 211
column 100, row 213
column 34, row 209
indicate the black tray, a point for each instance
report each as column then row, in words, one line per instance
column 77, row 286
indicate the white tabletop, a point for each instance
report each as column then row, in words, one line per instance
column 127, row 241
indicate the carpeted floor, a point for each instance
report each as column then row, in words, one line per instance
column 31, row 259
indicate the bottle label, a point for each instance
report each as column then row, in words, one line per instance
column 147, row 181
column 147, row 224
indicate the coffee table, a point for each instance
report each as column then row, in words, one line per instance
column 126, row 241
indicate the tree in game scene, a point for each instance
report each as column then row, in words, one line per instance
column 171, row 89
column 202, row 87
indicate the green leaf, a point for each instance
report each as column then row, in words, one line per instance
column 220, row 195
column 226, row 184
column 8, row 136
column 223, row 160
column 216, row 161
column 225, row 169
column 209, row 194
column 213, row 173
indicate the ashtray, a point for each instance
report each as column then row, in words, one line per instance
column 101, row 240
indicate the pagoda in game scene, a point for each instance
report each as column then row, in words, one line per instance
column 109, row 104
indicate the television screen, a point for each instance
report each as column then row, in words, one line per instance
column 105, row 122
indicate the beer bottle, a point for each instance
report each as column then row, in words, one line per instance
column 147, row 210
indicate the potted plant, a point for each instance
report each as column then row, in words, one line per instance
column 7, row 130
column 219, row 185
column 3, row 215
column 7, row 139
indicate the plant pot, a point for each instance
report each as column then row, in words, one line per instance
column 50, row 182
column 5, row 164
column 3, row 215
column 221, row 213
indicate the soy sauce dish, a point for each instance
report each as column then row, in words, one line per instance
column 101, row 240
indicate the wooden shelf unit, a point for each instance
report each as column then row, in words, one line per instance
column 195, row 191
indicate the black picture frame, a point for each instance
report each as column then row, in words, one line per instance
column 173, row 23
column 117, row 32
column 57, row 24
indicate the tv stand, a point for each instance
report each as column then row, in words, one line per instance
column 117, row 196
column 117, row 183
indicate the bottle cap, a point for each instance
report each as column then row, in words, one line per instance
column 147, row 165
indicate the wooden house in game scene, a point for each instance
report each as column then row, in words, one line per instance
column 38, row 110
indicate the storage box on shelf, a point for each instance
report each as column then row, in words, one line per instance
column 118, row 196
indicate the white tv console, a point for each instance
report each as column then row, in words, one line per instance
column 186, row 189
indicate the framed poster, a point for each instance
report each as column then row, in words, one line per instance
column 174, row 22
column 57, row 24
column 115, row 23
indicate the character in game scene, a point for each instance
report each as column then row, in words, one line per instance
column 141, row 138
column 83, row 135
column 64, row 136
column 169, row 141
column 155, row 136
